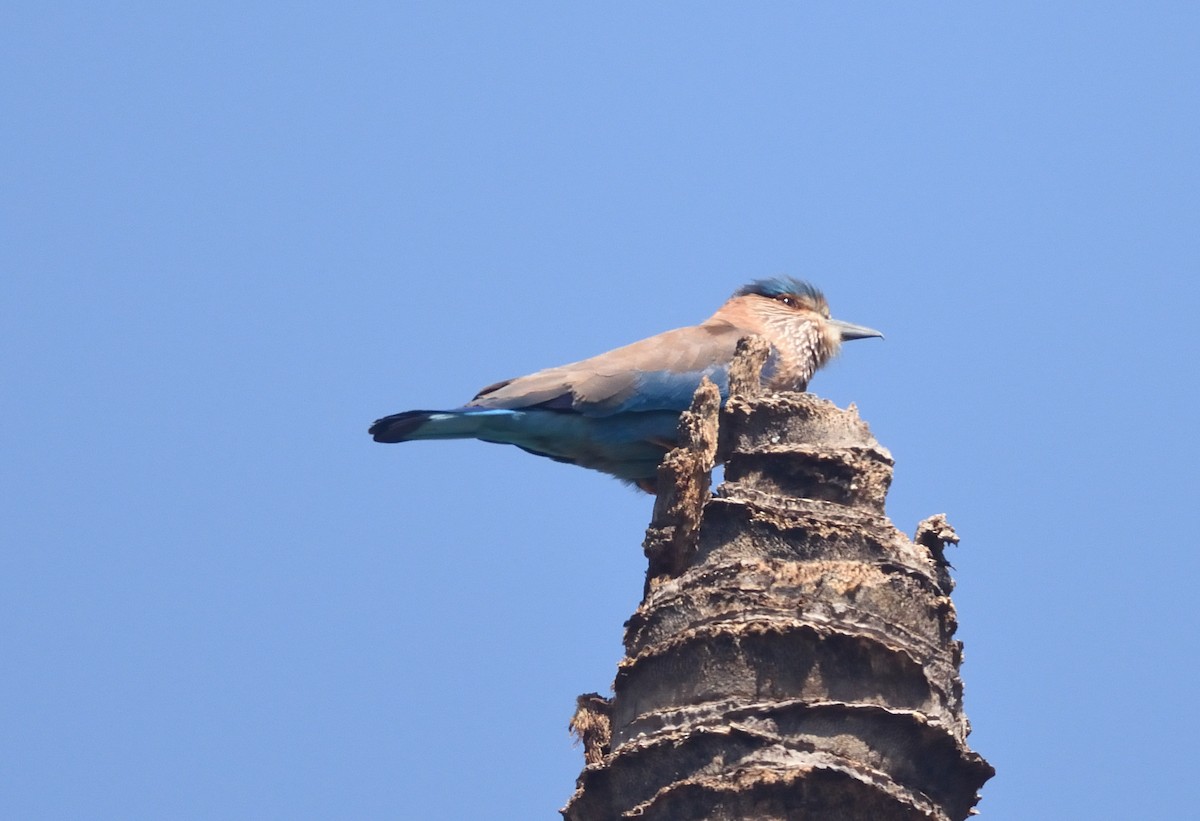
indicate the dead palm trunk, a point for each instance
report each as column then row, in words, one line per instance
column 793, row 657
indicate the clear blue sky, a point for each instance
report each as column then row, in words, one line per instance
column 231, row 235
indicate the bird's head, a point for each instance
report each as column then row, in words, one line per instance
column 794, row 313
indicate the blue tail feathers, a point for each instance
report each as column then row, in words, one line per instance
column 464, row 423
column 398, row 426
column 628, row 446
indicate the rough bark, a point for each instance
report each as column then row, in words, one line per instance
column 793, row 656
column 684, row 479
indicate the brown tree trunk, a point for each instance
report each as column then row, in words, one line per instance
column 793, row 657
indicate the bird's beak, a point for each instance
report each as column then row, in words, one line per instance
column 851, row 331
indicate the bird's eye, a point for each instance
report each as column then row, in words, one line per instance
column 789, row 301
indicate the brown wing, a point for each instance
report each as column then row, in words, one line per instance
column 661, row 367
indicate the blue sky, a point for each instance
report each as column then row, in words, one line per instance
column 233, row 235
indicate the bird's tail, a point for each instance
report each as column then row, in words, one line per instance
column 465, row 423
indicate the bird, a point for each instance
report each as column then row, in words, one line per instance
column 618, row 412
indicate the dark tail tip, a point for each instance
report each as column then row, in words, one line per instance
column 398, row 426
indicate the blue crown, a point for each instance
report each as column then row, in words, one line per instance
column 778, row 286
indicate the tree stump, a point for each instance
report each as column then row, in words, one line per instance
column 793, row 656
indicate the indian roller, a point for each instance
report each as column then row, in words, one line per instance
column 618, row 412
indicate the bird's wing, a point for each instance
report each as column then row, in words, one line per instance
column 658, row 373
